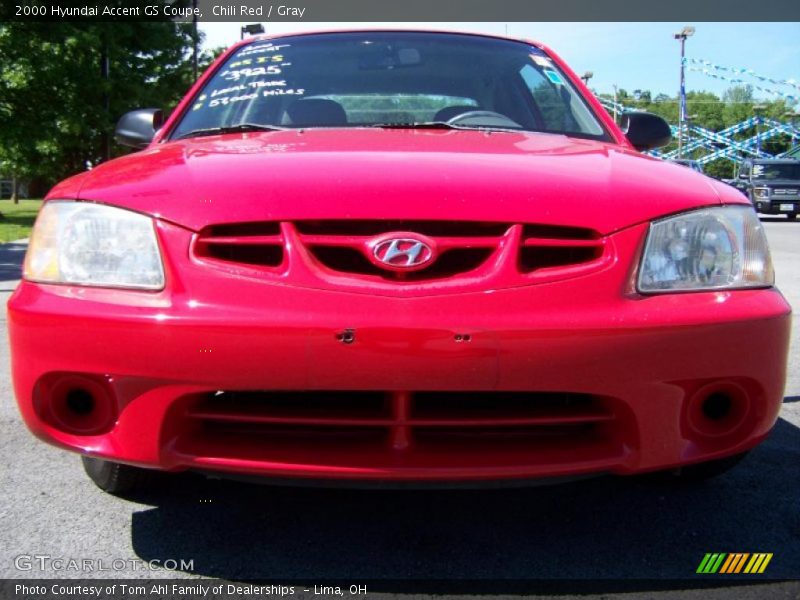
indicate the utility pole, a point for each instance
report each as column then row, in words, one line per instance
column 586, row 77
column 682, row 35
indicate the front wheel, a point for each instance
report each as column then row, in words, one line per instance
column 115, row 478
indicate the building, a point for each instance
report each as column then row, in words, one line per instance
column 7, row 188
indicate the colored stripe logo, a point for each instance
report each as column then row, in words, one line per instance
column 735, row 562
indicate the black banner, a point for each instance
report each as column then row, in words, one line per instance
column 215, row 589
column 406, row 10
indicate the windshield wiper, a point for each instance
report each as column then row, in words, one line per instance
column 421, row 125
column 442, row 125
column 240, row 128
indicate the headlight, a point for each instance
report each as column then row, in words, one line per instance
column 761, row 192
column 708, row 249
column 83, row 243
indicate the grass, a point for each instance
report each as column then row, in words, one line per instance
column 16, row 220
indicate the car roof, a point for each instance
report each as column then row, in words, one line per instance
column 275, row 36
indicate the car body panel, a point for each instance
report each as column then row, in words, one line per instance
column 409, row 352
column 550, row 179
column 294, row 369
column 191, row 339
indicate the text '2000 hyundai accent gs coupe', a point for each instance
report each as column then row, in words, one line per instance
column 396, row 257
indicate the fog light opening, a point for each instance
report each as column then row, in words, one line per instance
column 718, row 411
column 717, row 406
column 76, row 404
column 80, row 401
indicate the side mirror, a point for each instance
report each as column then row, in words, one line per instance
column 137, row 128
column 645, row 130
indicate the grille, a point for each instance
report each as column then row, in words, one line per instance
column 401, row 420
column 462, row 229
column 448, row 264
column 406, row 435
column 467, row 252
column 343, row 246
column 253, row 244
column 548, row 247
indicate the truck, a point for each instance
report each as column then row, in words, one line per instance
column 772, row 185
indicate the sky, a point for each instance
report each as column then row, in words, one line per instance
column 632, row 56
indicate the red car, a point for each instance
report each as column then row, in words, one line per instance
column 396, row 257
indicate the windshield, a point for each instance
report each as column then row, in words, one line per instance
column 776, row 171
column 389, row 79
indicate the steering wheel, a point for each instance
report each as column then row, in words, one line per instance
column 483, row 118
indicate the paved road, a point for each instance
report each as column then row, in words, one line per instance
column 603, row 528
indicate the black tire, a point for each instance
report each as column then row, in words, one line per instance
column 695, row 473
column 115, row 478
column 791, row 216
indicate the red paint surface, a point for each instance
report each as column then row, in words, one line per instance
column 575, row 329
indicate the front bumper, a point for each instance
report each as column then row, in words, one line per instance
column 606, row 380
column 778, row 205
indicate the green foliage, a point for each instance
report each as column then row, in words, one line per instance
column 57, row 112
column 711, row 112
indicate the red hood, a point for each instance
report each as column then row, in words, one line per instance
column 396, row 174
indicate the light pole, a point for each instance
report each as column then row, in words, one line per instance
column 682, row 35
column 586, row 77
column 688, row 120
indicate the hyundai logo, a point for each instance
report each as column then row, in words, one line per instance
column 403, row 252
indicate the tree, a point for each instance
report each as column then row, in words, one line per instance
column 709, row 111
column 706, row 110
column 57, row 112
column 738, row 103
